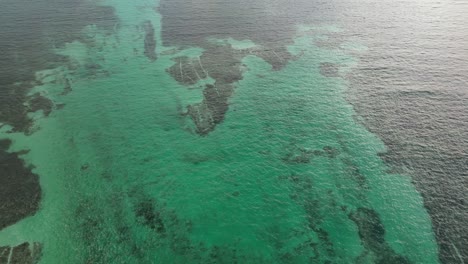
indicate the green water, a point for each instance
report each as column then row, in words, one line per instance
column 277, row 182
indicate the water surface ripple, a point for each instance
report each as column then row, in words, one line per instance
column 234, row 132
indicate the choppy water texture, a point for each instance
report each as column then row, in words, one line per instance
column 233, row 132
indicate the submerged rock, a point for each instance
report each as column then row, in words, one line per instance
column 67, row 88
column 210, row 112
column 24, row 253
column 372, row 234
column 150, row 41
column 146, row 212
column 222, row 63
column 352, row 171
column 277, row 56
column 187, row 71
column 331, row 152
column 298, row 155
column 39, row 102
column 4, row 254
column 20, row 191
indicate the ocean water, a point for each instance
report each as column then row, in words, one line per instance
column 216, row 132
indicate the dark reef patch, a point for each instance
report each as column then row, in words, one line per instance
column 93, row 223
column 223, row 64
column 353, row 172
column 59, row 106
column 24, row 253
column 195, row 158
column 4, row 254
column 67, row 87
column 372, row 234
column 84, row 167
column 20, row 192
column 297, row 158
column 323, row 248
column 39, row 102
column 277, row 56
column 331, row 152
column 150, row 41
column 12, row 109
column 187, row 71
column 298, row 155
column 146, row 212
column 370, row 228
column 210, row 112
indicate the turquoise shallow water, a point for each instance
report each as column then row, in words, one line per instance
column 289, row 176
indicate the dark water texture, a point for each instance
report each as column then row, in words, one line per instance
column 410, row 87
